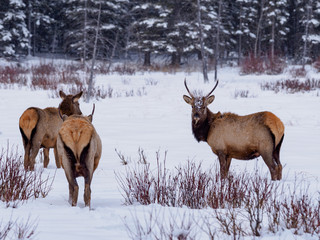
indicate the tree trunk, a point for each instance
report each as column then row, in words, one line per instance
column 272, row 39
column 217, row 43
column 258, row 29
column 204, row 58
column 113, row 50
column 85, row 36
column 199, row 55
column 306, row 34
column 29, row 27
column 240, row 36
column 90, row 84
column 147, row 59
column 175, row 59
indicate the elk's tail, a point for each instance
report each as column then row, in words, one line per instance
column 76, row 136
column 27, row 125
column 276, row 127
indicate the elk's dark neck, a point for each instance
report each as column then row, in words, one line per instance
column 201, row 130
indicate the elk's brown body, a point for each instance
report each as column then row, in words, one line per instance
column 242, row 137
column 40, row 127
column 79, row 148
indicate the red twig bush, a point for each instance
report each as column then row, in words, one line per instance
column 18, row 185
column 13, row 75
column 240, row 203
column 292, row 86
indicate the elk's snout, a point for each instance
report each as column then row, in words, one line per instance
column 196, row 118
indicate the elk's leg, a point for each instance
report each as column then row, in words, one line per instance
column 27, row 156
column 276, row 157
column 87, row 191
column 56, row 156
column 73, row 185
column 46, row 157
column 73, row 192
column 33, row 153
column 224, row 165
column 268, row 159
column 87, row 182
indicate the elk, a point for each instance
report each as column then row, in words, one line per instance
column 39, row 128
column 79, row 148
column 241, row 137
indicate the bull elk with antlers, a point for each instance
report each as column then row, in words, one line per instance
column 79, row 148
column 39, row 128
column 233, row 136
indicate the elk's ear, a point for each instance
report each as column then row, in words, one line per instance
column 62, row 94
column 90, row 117
column 187, row 99
column 75, row 98
column 210, row 99
column 64, row 117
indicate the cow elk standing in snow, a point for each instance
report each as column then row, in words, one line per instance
column 233, row 136
column 79, row 148
column 39, row 128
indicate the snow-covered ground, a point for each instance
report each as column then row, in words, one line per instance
column 157, row 120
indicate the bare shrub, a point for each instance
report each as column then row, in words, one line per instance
column 187, row 186
column 141, row 92
column 230, row 222
column 151, row 82
column 259, row 193
column 275, row 65
column 124, row 69
column 155, row 224
column 241, row 93
column 18, row 230
column 43, row 76
column 124, row 160
column 258, row 65
column 252, row 65
column 298, row 72
column 244, row 204
column 292, row 86
column 142, row 156
column 136, row 185
column 301, row 213
column 18, row 185
column 68, row 76
column 273, row 208
column 13, row 75
column 193, row 185
column 44, row 69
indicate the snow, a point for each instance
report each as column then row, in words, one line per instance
column 161, row 121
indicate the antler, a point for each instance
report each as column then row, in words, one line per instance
column 94, row 106
column 213, row 89
column 185, row 84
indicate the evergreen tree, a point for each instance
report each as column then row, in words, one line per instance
column 148, row 28
column 182, row 31
column 245, row 29
column 13, row 29
column 309, row 25
column 81, row 22
column 276, row 29
column 42, row 20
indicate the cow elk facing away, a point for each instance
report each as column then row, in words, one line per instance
column 233, row 136
column 79, row 148
column 40, row 127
